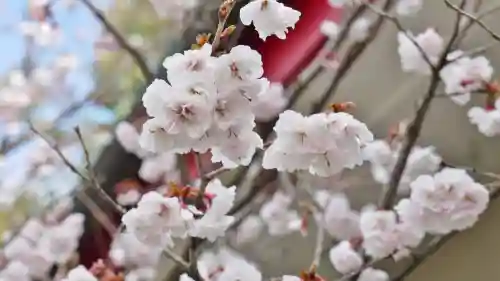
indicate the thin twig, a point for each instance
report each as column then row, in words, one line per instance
column 97, row 212
column 348, row 61
column 59, row 153
column 473, row 18
column 475, row 51
column 472, row 170
column 224, row 12
column 176, row 258
column 318, row 249
column 93, row 178
column 414, row 128
column 400, row 27
column 121, row 41
column 67, row 112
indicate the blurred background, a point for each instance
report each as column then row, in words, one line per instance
column 59, row 68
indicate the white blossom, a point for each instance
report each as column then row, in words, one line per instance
column 159, row 167
column 157, row 218
column 360, row 30
column 141, row 274
column 128, row 137
column 277, row 215
column 126, row 250
column 464, row 76
column 450, row 200
column 338, row 218
column 338, row 3
column 173, row 9
column 330, row 29
column 269, row 102
column 269, row 17
column 226, row 265
column 322, row 143
column 344, row 258
column 215, row 221
column 383, row 158
column 32, row 230
column 408, row 7
column 128, row 198
column 371, row 274
column 206, row 106
column 249, row 229
column 383, row 235
column 80, row 273
column 487, row 120
column 194, row 65
column 15, row 271
column 412, row 60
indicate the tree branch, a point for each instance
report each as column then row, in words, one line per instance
column 121, row 41
column 348, row 61
column 473, row 18
column 415, row 127
column 93, row 178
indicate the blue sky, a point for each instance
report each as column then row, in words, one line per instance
column 79, row 29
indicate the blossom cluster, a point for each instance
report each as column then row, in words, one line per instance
column 155, row 167
column 383, row 156
column 40, row 244
column 323, row 144
column 486, row 120
column 207, row 105
column 450, row 200
column 158, row 218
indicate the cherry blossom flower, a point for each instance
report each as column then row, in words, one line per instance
column 290, row 278
column 195, row 64
column 487, row 121
column 173, row 9
column 141, row 274
column 338, row 3
column 344, row 258
column 408, row 7
column 464, row 76
column 59, row 242
column 226, row 265
column 128, row 198
column 269, row 17
column 383, row 235
column 383, row 158
column 126, row 250
column 371, row 274
column 269, row 102
column 215, row 222
column 338, row 219
column 128, row 137
column 177, row 109
column 450, row 200
column 359, row 30
column 18, row 248
column 159, row 167
column 277, row 215
column 207, row 105
column 80, row 273
column 330, row 29
column 15, row 271
column 32, row 230
column 249, row 229
column 322, row 143
column 411, row 57
column 157, row 218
